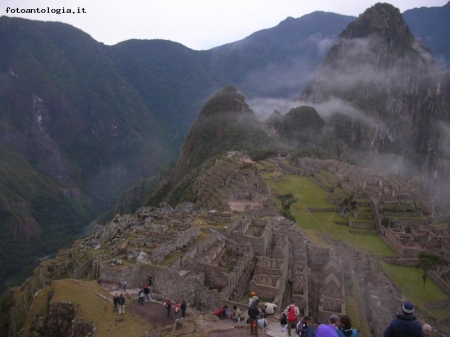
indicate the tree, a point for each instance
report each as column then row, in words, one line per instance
column 428, row 261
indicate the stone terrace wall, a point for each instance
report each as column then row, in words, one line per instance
column 166, row 282
column 180, row 240
column 214, row 239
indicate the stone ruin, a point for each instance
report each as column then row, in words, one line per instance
column 216, row 257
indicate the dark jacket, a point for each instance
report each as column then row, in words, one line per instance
column 183, row 305
column 121, row 300
column 404, row 326
column 253, row 312
column 307, row 331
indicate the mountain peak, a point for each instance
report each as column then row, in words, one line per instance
column 227, row 99
column 383, row 20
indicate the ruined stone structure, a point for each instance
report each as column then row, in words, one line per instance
column 216, row 256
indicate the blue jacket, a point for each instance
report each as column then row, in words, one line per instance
column 347, row 332
column 404, row 326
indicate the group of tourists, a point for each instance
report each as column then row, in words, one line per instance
column 144, row 294
column 405, row 325
column 178, row 308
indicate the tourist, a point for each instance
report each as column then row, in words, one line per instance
column 292, row 314
column 183, row 308
column 168, row 306
column 345, row 328
column 141, row 297
column 236, row 314
column 115, row 298
column 328, row 330
column 176, row 310
column 270, row 307
column 306, row 329
column 426, row 330
column 147, row 293
column 252, row 300
column 121, row 302
column 253, row 314
column 405, row 324
column 124, row 285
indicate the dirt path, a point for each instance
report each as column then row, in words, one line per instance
column 154, row 312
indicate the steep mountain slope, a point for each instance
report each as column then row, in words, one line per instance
column 74, row 134
column 225, row 123
column 262, row 64
column 385, row 96
column 431, row 26
column 171, row 80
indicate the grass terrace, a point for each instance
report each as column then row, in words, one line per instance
column 409, row 279
column 309, row 194
column 99, row 309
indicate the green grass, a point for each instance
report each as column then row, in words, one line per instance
column 309, row 194
column 92, row 308
column 409, row 279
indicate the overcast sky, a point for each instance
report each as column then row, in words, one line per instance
column 197, row 24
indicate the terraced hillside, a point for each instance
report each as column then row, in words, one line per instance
column 328, row 206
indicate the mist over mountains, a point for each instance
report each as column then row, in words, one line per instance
column 81, row 122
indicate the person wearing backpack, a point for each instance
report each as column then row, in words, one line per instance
column 253, row 315
column 292, row 313
column 305, row 328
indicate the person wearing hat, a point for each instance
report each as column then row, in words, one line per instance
column 328, row 330
column 252, row 300
column 405, row 324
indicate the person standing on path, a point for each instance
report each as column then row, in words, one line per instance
column 168, row 306
column 141, row 297
column 292, row 314
column 176, row 310
column 253, row 314
column 183, row 308
column 121, row 302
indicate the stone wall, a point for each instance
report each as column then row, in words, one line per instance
column 165, row 282
column 180, row 240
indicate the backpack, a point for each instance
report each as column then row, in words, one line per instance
column 291, row 315
column 218, row 312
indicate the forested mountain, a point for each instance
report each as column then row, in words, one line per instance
column 80, row 121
